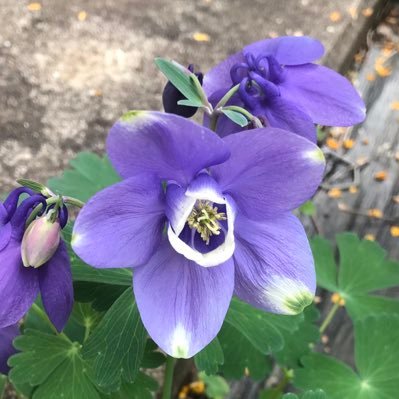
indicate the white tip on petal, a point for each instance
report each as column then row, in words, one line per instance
column 287, row 296
column 315, row 155
column 180, row 343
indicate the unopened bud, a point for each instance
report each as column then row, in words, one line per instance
column 40, row 241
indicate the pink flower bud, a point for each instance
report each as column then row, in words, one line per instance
column 40, row 241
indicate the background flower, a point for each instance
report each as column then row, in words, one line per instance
column 279, row 83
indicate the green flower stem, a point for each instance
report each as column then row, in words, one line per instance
column 277, row 392
column 215, row 114
column 329, row 318
column 73, row 201
column 168, row 382
column 39, row 311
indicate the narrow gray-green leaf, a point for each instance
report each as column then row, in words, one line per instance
column 236, row 117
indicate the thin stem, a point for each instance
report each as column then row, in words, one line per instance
column 227, row 96
column 168, row 382
column 329, row 317
column 87, row 331
column 39, row 311
column 73, row 201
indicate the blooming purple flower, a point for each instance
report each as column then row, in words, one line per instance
column 280, row 84
column 198, row 218
column 20, row 285
column 7, row 336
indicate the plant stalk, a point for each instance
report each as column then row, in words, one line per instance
column 168, row 382
column 329, row 318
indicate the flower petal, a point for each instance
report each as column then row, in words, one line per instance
column 166, row 145
column 270, row 171
column 288, row 50
column 55, row 280
column 286, row 115
column 7, row 336
column 182, row 305
column 19, row 286
column 218, row 78
column 5, row 227
column 329, row 98
column 274, row 265
column 122, row 225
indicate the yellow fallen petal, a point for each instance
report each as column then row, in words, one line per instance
column 335, row 16
column 394, row 230
column 369, row 237
column 381, row 175
column 201, row 37
column 375, row 213
column 334, row 193
column 82, row 15
column 34, row 6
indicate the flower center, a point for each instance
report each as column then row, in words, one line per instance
column 258, row 78
column 205, row 219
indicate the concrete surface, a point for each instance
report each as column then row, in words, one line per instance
column 71, row 68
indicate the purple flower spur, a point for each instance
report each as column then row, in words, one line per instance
column 7, row 336
column 32, row 260
column 280, row 85
column 200, row 218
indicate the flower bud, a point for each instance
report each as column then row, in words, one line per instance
column 40, row 241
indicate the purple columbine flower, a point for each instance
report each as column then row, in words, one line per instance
column 198, row 218
column 19, row 284
column 280, row 85
column 7, row 336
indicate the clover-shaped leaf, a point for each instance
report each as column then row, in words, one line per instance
column 377, row 374
column 52, row 364
column 363, row 269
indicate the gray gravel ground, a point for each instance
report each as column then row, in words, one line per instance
column 68, row 70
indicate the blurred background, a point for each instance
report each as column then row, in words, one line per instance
column 69, row 69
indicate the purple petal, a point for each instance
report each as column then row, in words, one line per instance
column 329, row 98
column 7, row 336
column 286, row 115
column 122, row 225
column 19, row 286
column 288, row 50
column 5, row 227
column 56, row 287
column 274, row 267
column 182, row 305
column 218, row 78
column 166, row 145
column 270, row 171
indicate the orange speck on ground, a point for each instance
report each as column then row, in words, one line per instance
column 334, row 193
column 201, row 37
column 369, row 237
column 333, row 144
column 353, row 189
column 365, row 141
column 394, row 230
column 337, row 299
column 353, row 12
column 395, row 105
column 197, row 387
column 368, row 12
column 82, row 16
column 335, row 16
column 382, row 70
column 34, row 6
column 395, row 199
column 370, row 76
column 349, row 143
column 375, row 213
column 381, row 175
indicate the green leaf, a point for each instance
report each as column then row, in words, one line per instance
column 152, row 357
column 300, row 342
column 216, row 387
column 236, row 117
column 3, row 382
column 181, row 78
column 116, row 346
column 143, row 387
column 377, row 364
column 189, row 103
column 210, row 358
column 317, row 394
column 241, row 357
column 89, row 174
column 363, row 269
column 53, row 364
column 264, row 330
column 308, row 208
